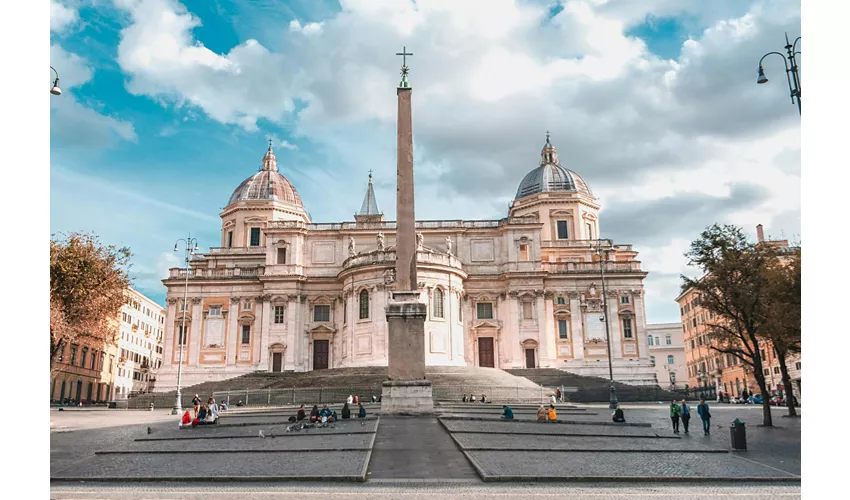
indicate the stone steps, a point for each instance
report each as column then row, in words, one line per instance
column 592, row 389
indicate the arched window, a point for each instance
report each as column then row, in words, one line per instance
column 364, row 304
column 438, row 303
column 670, row 359
column 650, row 339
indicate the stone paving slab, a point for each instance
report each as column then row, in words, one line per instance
column 247, row 443
column 528, row 427
column 569, row 466
column 294, row 466
column 562, row 416
column 560, row 421
column 254, row 428
column 470, row 442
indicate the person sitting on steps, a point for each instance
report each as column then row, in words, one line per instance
column 346, row 411
column 618, row 415
column 553, row 415
column 362, row 412
column 507, row 413
column 541, row 413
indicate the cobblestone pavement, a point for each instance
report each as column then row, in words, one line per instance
column 432, row 490
column 292, row 442
column 520, row 427
column 563, row 465
column 210, row 465
column 416, row 447
column 542, row 443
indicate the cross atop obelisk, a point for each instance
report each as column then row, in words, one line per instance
column 404, row 70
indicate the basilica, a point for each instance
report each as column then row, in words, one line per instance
column 283, row 293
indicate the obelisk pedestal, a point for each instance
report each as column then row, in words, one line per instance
column 407, row 391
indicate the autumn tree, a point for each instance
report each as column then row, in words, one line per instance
column 87, row 289
column 733, row 288
column 782, row 312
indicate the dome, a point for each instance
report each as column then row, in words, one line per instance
column 267, row 184
column 550, row 176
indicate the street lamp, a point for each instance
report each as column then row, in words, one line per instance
column 191, row 248
column 613, row 392
column 792, row 73
column 55, row 90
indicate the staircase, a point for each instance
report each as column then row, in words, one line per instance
column 592, row 389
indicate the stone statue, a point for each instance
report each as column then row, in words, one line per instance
column 448, row 245
column 593, row 289
column 420, row 241
column 380, row 241
column 352, row 251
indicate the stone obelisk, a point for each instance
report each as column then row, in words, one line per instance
column 407, row 390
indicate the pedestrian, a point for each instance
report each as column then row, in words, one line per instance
column 464, row 398
column 507, row 413
column 350, row 399
column 685, row 411
column 554, row 399
column 558, row 394
column 301, row 415
column 362, row 411
column 472, row 398
column 674, row 416
column 346, row 411
column 705, row 415
column 196, row 402
column 483, row 398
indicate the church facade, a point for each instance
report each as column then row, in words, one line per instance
column 282, row 293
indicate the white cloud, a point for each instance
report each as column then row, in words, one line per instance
column 489, row 78
column 62, row 17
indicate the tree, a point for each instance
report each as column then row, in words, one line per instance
column 87, row 289
column 782, row 313
column 732, row 288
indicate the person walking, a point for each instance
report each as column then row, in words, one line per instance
column 558, row 394
column 196, row 402
column 705, row 415
column 674, row 416
column 685, row 411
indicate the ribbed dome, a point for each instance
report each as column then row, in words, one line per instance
column 267, row 184
column 551, row 176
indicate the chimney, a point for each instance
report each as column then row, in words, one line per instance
column 760, row 233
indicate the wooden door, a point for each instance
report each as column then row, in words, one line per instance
column 485, row 352
column 277, row 361
column 320, row 354
column 529, row 358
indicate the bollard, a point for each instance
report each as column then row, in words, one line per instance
column 739, row 435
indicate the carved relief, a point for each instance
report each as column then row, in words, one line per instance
column 380, row 239
column 196, row 300
column 171, row 300
column 235, row 300
column 389, row 276
column 263, row 298
column 614, row 294
column 573, row 295
column 548, row 294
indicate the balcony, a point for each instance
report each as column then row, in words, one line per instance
column 255, row 250
column 425, row 224
column 591, row 267
column 583, row 244
column 227, row 273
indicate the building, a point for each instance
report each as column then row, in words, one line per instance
column 140, row 345
column 283, row 293
column 726, row 372
column 82, row 373
column 666, row 345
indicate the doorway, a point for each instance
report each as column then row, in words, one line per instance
column 79, row 391
column 277, row 361
column 529, row 358
column 486, row 356
column 320, row 354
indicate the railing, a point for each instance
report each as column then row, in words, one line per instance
column 591, row 267
column 230, row 272
column 238, row 250
column 426, row 224
column 389, row 257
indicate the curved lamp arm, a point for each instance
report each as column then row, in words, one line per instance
column 55, row 90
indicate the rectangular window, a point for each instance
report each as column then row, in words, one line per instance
column 797, row 365
column 246, row 334
column 215, row 311
column 181, row 335
column 484, row 310
column 459, row 310
column 625, row 299
column 692, row 344
column 694, row 322
column 281, row 256
column 229, row 239
column 670, row 359
column 766, row 371
column 627, row 328
column 562, row 328
column 255, row 236
column 83, row 357
column 776, row 369
column 345, row 311
column 523, row 253
column 669, row 340
column 561, row 301
column 589, row 227
column 762, row 354
column 93, row 360
column 650, row 340
column 246, row 305
column 278, row 314
column 321, row 313
column 563, row 234
column 527, row 310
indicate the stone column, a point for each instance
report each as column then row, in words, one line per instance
column 197, row 320
column 231, row 352
column 406, row 390
column 265, row 325
column 292, row 329
column 546, row 330
column 576, row 331
column 614, row 325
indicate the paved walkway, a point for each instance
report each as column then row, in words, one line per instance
column 416, row 448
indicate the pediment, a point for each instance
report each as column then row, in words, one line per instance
column 246, row 316
column 487, row 324
column 322, row 329
column 562, row 309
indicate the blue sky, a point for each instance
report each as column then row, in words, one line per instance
column 168, row 105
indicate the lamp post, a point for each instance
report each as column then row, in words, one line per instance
column 792, row 73
column 55, row 90
column 613, row 391
column 191, row 247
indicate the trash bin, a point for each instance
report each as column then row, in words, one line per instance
column 739, row 435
